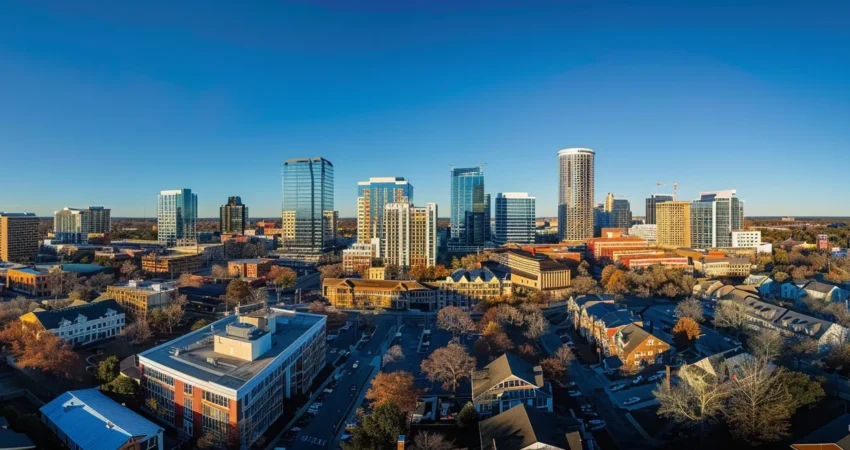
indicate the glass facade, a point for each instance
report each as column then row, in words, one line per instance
column 177, row 217
column 651, row 202
column 233, row 217
column 515, row 213
column 372, row 197
column 470, row 207
column 308, row 193
column 713, row 219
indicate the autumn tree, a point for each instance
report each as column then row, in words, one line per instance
column 697, row 400
column 393, row 354
column 237, row 292
column 494, row 339
column 282, row 278
column 137, row 332
column 429, row 440
column 467, row 417
column 188, row 280
column 42, row 351
column 553, row 368
column 331, row 271
column 606, row 273
column 220, row 272
column 617, row 283
column 759, row 406
column 200, row 323
column 583, row 285
column 455, row 320
column 686, row 331
column 690, row 308
column 129, row 270
column 394, row 387
column 449, row 365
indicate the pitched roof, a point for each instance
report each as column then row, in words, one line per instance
column 471, row 275
column 836, row 432
column 387, row 285
column 501, row 368
column 817, row 286
column 600, row 309
column 86, row 415
column 51, row 319
column 521, row 427
column 617, row 318
column 10, row 440
column 632, row 336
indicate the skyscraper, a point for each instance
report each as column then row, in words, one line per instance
column 515, row 213
column 73, row 226
column 410, row 235
column 177, row 217
column 651, row 203
column 372, row 197
column 18, row 237
column 233, row 217
column 470, row 207
column 714, row 217
column 618, row 212
column 673, row 229
column 308, row 196
column 575, row 193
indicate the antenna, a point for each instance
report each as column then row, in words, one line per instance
column 675, row 187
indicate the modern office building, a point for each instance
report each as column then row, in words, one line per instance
column 651, row 204
column 228, row 380
column 372, row 197
column 746, row 239
column 714, row 217
column 73, row 226
column 177, row 218
column 619, row 212
column 308, row 196
column 18, row 237
column 233, row 217
column 673, row 227
column 470, row 207
column 410, row 235
column 575, row 193
column 515, row 214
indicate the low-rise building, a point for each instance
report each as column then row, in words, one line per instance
column 89, row 420
column 359, row 255
column 641, row 261
column 834, row 435
column 749, row 238
column 356, row 293
column 229, row 380
column 80, row 325
column 644, row 231
column 509, row 381
column 618, row 255
column 139, row 297
column 637, row 348
column 173, row 264
column 533, row 271
column 28, row 281
column 576, row 307
column 724, row 267
column 527, row 428
column 250, row 268
column 474, row 285
column 602, row 249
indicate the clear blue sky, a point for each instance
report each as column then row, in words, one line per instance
column 102, row 103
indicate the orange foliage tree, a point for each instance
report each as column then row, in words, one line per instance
column 394, row 387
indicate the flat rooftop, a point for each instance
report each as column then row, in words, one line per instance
column 146, row 286
column 228, row 372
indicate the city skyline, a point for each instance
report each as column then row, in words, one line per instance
column 653, row 101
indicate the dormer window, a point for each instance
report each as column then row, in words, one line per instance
column 80, row 318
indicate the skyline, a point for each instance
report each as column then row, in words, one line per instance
column 110, row 104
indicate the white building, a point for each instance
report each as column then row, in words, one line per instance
column 73, row 226
column 747, row 239
column 80, row 325
column 410, row 235
column 646, row 231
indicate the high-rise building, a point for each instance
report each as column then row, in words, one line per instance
column 372, row 197
column 177, row 217
column 673, row 227
column 651, row 204
column 73, row 226
column 714, row 217
column 410, row 235
column 233, row 217
column 308, row 196
column 618, row 212
column 575, row 193
column 18, row 237
column 515, row 214
column 470, row 207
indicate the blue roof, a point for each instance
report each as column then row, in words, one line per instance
column 82, row 268
column 87, row 416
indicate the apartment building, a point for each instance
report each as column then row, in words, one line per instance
column 28, row 281
column 172, row 264
column 80, row 325
column 233, row 216
column 229, row 380
column 649, row 232
column 359, row 255
column 509, row 381
column 75, row 226
column 602, row 249
column 746, row 239
column 534, row 271
column 724, row 267
column 139, row 297
column 643, row 261
column 250, row 268
column 673, row 227
column 463, row 288
column 372, row 198
column 356, row 293
column 18, row 237
column 410, row 235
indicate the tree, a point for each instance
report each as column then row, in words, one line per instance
column 282, row 278
column 137, row 332
column 730, row 314
column 15, row 308
column 456, row 263
column 449, row 364
column 553, row 368
column 565, row 355
column 379, row 430
column 455, row 320
column 397, row 387
column 188, row 280
column 393, row 354
column 124, row 386
column 219, row 272
column 108, row 369
column 200, row 323
column 129, row 270
column 42, row 351
column 99, row 281
column 606, row 273
column 583, row 286
column 467, row 417
column 697, row 400
column 317, row 307
column 331, row 271
column 536, row 324
column 428, row 440
column 780, row 257
column 766, row 344
column 237, row 292
column 527, row 350
column 803, row 390
column 759, row 404
column 495, row 339
column 686, row 331
column 839, row 358
column 617, row 284
column 780, row 277
column 690, row 308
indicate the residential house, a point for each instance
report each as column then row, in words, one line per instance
column 89, row 420
column 723, row 364
column 522, row 428
column 835, row 435
column 705, row 290
column 577, row 306
column 80, row 325
column 606, row 327
column 637, row 348
column 823, row 291
column 509, row 381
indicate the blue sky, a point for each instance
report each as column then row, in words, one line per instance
column 104, row 103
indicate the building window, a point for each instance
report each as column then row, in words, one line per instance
column 216, row 399
column 187, row 388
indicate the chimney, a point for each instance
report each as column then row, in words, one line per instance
column 400, row 442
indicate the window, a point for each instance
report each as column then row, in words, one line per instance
column 187, row 388
column 216, row 399
column 650, row 342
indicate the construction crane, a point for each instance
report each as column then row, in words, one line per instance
column 675, row 188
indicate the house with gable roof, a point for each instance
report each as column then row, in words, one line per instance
column 463, row 288
column 509, row 381
column 80, row 325
column 521, row 428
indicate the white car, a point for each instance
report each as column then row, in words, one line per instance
column 637, row 379
column 631, row 401
column 594, row 425
column 657, row 376
column 333, row 350
column 328, row 390
column 617, row 387
column 345, row 436
column 355, row 365
column 574, row 393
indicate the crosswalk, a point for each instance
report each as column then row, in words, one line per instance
column 314, row 441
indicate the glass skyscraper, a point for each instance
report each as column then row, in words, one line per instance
column 515, row 214
column 372, row 197
column 714, row 217
column 177, row 217
column 233, row 217
column 470, row 207
column 308, row 198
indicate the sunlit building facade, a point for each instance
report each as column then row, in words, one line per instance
column 308, row 195
column 177, row 217
column 575, row 193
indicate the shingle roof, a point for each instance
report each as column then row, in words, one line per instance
column 85, row 416
column 835, row 432
column 51, row 319
column 817, row 286
column 502, row 368
column 471, row 275
column 617, row 318
column 521, row 427
column 633, row 335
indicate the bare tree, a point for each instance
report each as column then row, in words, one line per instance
column 220, row 272
column 766, row 344
column 129, row 270
column 455, row 320
column 137, row 332
column 697, row 400
column 730, row 314
column 449, row 364
column 99, row 281
column 428, row 440
column 564, row 354
column 690, row 308
column 759, row 407
column 393, row 354
column 535, row 325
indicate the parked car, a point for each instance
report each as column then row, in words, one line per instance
column 586, row 407
column 345, row 436
column 333, row 350
column 631, row 401
column 637, row 379
column 574, row 393
column 354, row 366
column 657, row 376
column 594, row 425
column 328, row 390
column 617, row 387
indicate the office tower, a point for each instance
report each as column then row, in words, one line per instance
column 673, row 228
column 714, row 217
column 651, row 203
column 600, row 219
column 372, row 197
column 515, row 215
column 73, row 226
column 618, row 211
column 575, row 193
column 308, row 194
column 233, row 217
column 329, row 226
column 470, row 207
column 410, row 235
column 18, row 237
column 177, row 217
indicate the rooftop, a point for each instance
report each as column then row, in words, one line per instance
column 28, row 270
column 503, row 367
column 147, row 286
column 95, row 310
column 359, row 283
column 520, row 428
column 251, row 261
column 836, row 432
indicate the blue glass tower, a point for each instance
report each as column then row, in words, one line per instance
column 177, row 217
column 470, row 207
column 515, row 213
column 308, row 198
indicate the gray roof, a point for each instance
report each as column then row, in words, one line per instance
column 817, row 286
column 600, row 309
column 835, row 432
column 633, row 335
column 95, row 310
column 471, row 275
column 501, row 368
column 617, row 318
column 521, row 427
